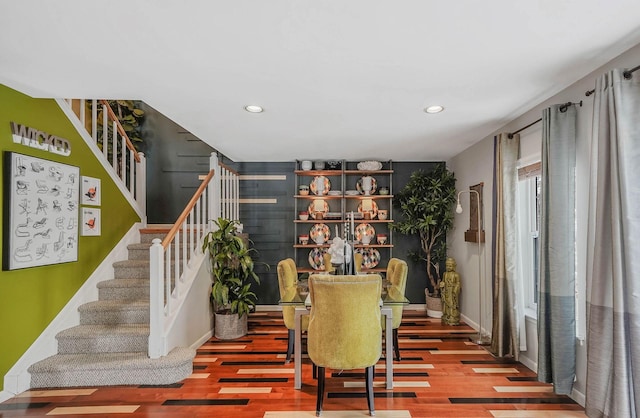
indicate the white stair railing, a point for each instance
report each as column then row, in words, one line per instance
column 126, row 165
column 171, row 259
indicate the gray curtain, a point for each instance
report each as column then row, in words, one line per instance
column 613, row 258
column 505, row 329
column 556, row 301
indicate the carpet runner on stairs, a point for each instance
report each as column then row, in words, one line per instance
column 110, row 345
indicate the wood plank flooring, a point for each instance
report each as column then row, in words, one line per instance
column 441, row 374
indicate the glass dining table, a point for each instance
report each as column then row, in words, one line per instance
column 302, row 303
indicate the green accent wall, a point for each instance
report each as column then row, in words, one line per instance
column 30, row 298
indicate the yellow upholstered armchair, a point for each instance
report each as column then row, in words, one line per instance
column 344, row 327
column 397, row 278
column 326, row 259
column 288, row 284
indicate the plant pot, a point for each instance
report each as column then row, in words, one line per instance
column 230, row 326
column 434, row 305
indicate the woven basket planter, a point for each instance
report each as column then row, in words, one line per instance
column 230, row 327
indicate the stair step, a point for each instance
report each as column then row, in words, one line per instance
column 139, row 251
column 104, row 339
column 110, row 369
column 124, row 289
column 131, row 269
column 114, row 312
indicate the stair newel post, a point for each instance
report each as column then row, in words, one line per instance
column 156, row 300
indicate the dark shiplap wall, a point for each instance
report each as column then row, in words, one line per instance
column 271, row 228
column 176, row 158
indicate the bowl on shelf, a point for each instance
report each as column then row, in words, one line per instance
column 319, row 165
column 369, row 165
column 306, row 165
column 303, row 215
column 303, row 190
column 381, row 239
column 303, row 239
column 382, row 214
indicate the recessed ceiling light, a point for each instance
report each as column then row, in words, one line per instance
column 434, row 109
column 254, row 108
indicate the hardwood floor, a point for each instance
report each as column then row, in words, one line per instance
column 441, row 374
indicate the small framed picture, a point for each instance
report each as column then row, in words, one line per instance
column 90, row 191
column 90, row 222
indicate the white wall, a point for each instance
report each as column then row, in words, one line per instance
column 475, row 165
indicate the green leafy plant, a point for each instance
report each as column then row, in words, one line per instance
column 426, row 203
column 131, row 117
column 232, row 268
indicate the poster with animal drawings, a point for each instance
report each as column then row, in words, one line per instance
column 40, row 212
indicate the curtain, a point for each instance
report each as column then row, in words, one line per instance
column 613, row 257
column 556, row 299
column 508, row 315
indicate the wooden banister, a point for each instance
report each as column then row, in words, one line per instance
column 113, row 117
column 174, row 229
column 226, row 167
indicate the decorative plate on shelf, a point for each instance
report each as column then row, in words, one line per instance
column 370, row 257
column 324, row 208
column 374, row 185
column 373, row 211
column 316, row 260
column 335, row 193
column 320, row 230
column 320, row 180
column 365, row 230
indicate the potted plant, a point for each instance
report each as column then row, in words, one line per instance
column 426, row 204
column 233, row 274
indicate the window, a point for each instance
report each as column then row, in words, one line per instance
column 528, row 215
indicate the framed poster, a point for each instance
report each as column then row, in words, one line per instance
column 40, row 212
column 90, row 191
column 90, row 222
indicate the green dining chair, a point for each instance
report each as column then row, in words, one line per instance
column 344, row 327
column 288, row 284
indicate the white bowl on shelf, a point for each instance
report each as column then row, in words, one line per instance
column 369, row 165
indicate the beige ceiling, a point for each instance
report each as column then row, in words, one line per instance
column 337, row 78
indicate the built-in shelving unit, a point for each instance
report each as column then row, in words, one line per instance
column 341, row 194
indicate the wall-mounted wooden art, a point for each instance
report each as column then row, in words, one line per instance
column 475, row 215
column 40, row 212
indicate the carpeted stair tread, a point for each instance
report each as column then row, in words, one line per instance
column 105, row 284
column 131, row 263
column 104, row 361
column 98, row 338
column 114, row 305
column 108, row 369
column 139, row 246
column 97, row 330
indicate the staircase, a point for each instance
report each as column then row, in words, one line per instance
column 110, row 346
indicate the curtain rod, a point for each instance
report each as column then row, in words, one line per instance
column 627, row 74
column 562, row 108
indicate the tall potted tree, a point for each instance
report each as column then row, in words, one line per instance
column 426, row 204
column 233, row 274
